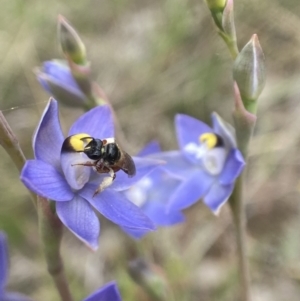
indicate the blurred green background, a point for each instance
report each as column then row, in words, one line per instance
column 154, row 59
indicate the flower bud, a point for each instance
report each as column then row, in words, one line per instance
column 249, row 73
column 216, row 5
column 71, row 44
column 244, row 122
column 56, row 78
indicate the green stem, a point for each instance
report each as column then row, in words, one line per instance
column 231, row 44
column 239, row 217
column 11, row 145
column 51, row 230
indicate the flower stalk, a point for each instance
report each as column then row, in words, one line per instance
column 10, row 143
column 239, row 218
column 223, row 16
column 244, row 124
column 249, row 77
column 51, row 230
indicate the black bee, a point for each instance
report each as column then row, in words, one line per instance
column 106, row 154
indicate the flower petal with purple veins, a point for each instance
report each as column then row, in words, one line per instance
column 233, row 167
column 3, row 262
column 143, row 167
column 217, row 196
column 78, row 216
column 116, row 207
column 98, row 123
column 188, row 131
column 191, row 190
column 176, row 164
column 46, row 181
column 48, row 137
column 108, row 292
column 151, row 148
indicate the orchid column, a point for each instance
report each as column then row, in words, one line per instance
column 249, row 78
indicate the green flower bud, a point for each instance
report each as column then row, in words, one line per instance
column 244, row 122
column 216, row 5
column 71, row 44
column 249, row 73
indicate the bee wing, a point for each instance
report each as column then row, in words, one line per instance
column 127, row 164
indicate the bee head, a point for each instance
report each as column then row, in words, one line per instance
column 94, row 149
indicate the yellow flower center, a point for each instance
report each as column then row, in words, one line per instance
column 209, row 139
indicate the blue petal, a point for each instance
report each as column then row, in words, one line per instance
column 143, row 167
column 117, row 208
column 15, row 297
column 162, row 188
column 46, row 181
column 61, row 73
column 176, row 164
column 62, row 92
column 108, row 292
column 225, row 130
column 151, row 148
column 3, row 262
column 78, row 216
column 191, row 190
column 43, row 80
column 135, row 233
column 158, row 214
column 217, row 196
column 232, row 168
column 189, row 130
column 98, row 123
column 48, row 138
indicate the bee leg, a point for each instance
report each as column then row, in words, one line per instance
column 88, row 163
column 107, row 181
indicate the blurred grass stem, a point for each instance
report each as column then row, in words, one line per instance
column 51, row 230
column 11, row 145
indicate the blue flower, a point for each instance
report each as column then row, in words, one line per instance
column 208, row 162
column 53, row 176
column 6, row 296
column 152, row 193
column 57, row 79
column 109, row 292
